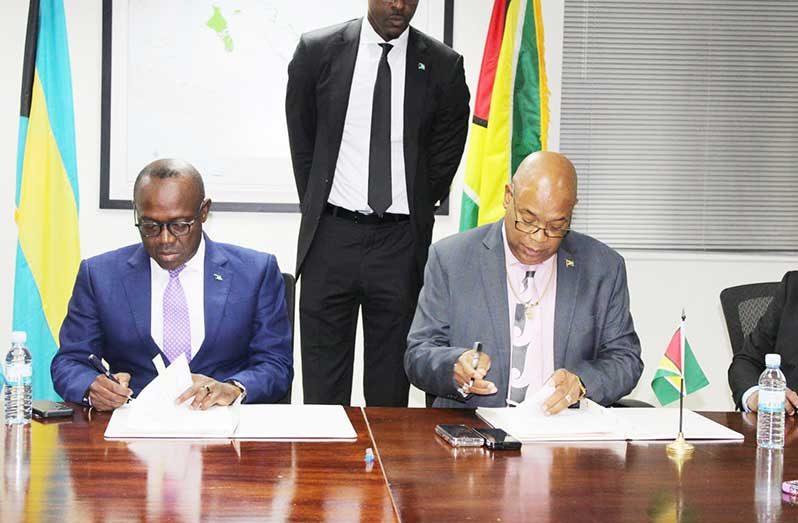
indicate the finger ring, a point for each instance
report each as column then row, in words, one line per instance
column 568, row 398
column 207, row 388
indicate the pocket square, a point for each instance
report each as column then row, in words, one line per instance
column 421, row 66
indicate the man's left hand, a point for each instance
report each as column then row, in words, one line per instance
column 208, row 392
column 567, row 391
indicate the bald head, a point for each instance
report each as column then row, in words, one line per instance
column 171, row 168
column 550, row 174
column 538, row 204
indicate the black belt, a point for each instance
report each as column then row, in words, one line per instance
column 366, row 219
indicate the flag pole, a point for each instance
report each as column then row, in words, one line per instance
column 679, row 448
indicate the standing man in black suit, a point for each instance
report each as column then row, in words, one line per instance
column 377, row 119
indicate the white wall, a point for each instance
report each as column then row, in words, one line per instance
column 660, row 284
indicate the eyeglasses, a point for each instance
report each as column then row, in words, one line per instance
column 150, row 228
column 532, row 229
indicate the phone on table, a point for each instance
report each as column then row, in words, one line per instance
column 497, row 439
column 46, row 409
column 459, row 435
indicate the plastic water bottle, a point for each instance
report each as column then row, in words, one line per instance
column 18, row 371
column 770, row 409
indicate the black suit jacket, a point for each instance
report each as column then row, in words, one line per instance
column 776, row 332
column 435, row 123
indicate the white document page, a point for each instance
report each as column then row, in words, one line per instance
column 295, row 423
column 594, row 422
column 154, row 413
column 663, row 423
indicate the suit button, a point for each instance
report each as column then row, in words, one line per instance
column 326, row 180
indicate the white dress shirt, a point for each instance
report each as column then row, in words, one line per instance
column 351, row 182
column 192, row 280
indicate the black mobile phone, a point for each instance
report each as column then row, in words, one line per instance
column 459, row 435
column 45, row 409
column 497, row 439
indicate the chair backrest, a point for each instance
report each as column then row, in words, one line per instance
column 290, row 293
column 743, row 306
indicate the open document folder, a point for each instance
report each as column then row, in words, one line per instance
column 593, row 422
column 154, row 414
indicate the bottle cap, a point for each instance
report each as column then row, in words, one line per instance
column 773, row 360
column 19, row 337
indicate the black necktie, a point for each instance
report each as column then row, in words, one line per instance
column 379, row 197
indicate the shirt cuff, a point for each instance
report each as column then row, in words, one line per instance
column 746, row 395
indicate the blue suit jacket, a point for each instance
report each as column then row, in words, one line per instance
column 247, row 333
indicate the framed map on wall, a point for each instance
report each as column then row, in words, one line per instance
column 205, row 81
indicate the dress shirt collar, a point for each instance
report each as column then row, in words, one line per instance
column 369, row 36
column 195, row 264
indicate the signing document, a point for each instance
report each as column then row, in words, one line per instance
column 591, row 421
column 154, row 414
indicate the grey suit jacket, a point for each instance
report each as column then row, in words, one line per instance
column 464, row 299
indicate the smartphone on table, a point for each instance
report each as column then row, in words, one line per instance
column 459, row 435
column 497, row 439
column 46, row 409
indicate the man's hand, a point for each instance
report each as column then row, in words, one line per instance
column 790, row 402
column 104, row 394
column 208, row 392
column 567, row 391
column 464, row 372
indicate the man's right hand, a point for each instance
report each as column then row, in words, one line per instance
column 790, row 402
column 464, row 372
column 104, row 394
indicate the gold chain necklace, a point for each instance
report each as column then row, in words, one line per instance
column 529, row 308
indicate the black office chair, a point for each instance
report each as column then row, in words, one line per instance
column 290, row 292
column 743, row 306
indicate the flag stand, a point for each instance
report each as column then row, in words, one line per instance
column 679, row 448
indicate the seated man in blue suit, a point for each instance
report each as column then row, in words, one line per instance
column 550, row 306
column 176, row 293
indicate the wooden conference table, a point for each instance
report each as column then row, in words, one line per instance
column 66, row 471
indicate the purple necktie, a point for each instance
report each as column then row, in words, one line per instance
column 176, row 323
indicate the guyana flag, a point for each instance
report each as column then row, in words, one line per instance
column 48, row 248
column 511, row 116
column 678, row 361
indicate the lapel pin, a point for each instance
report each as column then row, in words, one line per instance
column 217, row 276
column 421, row 66
column 569, row 263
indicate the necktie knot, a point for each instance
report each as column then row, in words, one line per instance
column 386, row 48
column 174, row 273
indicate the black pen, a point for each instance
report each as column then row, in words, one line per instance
column 99, row 367
column 97, row 364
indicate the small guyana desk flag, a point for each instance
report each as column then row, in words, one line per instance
column 678, row 361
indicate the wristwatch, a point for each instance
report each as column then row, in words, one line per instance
column 241, row 397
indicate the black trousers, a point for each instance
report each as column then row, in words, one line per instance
column 349, row 266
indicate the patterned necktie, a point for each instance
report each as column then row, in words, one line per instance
column 176, row 323
column 520, row 339
column 379, row 194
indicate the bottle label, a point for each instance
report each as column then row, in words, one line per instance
column 17, row 373
column 771, row 401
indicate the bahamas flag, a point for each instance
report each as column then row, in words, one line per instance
column 511, row 116
column 678, row 361
column 48, row 248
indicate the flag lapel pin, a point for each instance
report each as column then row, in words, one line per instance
column 217, row 276
column 569, row 263
column 421, row 66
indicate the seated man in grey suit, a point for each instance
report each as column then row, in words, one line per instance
column 549, row 305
